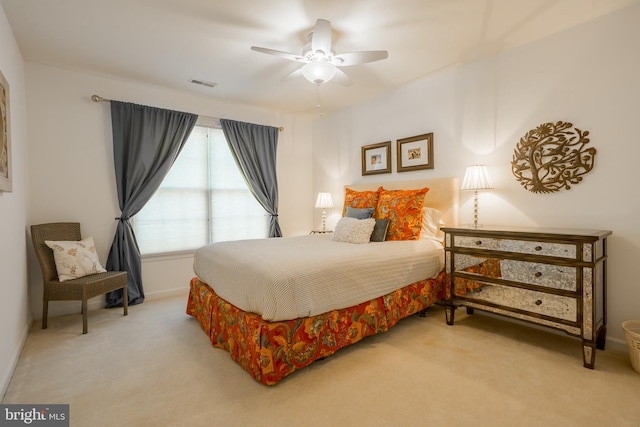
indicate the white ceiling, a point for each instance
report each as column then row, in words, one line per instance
column 170, row 42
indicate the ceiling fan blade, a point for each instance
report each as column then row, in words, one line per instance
column 279, row 53
column 341, row 78
column 354, row 58
column 297, row 73
column 321, row 37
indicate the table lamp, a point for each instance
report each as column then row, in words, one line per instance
column 476, row 178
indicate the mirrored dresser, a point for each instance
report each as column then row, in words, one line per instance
column 551, row 277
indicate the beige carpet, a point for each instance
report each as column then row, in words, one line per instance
column 156, row 367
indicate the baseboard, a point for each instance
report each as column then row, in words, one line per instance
column 99, row 302
column 175, row 292
column 616, row 344
column 8, row 374
column 612, row 343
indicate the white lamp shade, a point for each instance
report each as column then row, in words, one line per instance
column 476, row 178
column 324, row 201
column 319, row 72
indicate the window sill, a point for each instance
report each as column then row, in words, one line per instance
column 166, row 256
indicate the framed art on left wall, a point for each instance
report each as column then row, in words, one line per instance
column 376, row 158
column 5, row 137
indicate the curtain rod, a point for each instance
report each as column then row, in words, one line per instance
column 96, row 98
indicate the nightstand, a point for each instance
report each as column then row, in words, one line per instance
column 321, row 232
column 551, row 277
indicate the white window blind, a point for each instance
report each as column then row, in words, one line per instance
column 203, row 199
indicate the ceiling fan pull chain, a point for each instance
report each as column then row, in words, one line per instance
column 319, row 101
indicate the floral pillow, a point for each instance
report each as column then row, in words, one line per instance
column 360, row 199
column 404, row 210
column 75, row 259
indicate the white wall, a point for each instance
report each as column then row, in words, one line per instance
column 71, row 165
column 587, row 75
column 15, row 317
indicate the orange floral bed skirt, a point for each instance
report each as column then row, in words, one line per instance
column 270, row 351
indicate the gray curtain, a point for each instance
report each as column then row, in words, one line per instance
column 254, row 149
column 146, row 142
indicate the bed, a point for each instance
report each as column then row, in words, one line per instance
column 273, row 331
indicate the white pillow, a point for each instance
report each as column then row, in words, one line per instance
column 353, row 230
column 431, row 223
column 75, row 259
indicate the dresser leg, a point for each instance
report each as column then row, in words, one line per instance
column 449, row 312
column 601, row 339
column 588, row 354
column 469, row 310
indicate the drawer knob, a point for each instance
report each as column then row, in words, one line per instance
column 538, row 302
column 538, row 248
column 478, row 242
column 538, row 274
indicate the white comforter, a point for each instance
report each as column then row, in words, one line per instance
column 291, row 277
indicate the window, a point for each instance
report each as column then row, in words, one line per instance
column 203, row 199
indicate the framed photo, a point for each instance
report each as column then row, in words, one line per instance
column 5, row 137
column 376, row 158
column 415, row 153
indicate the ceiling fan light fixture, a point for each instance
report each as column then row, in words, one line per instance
column 319, row 72
column 321, row 64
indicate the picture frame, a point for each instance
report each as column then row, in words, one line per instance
column 376, row 158
column 5, row 137
column 415, row 153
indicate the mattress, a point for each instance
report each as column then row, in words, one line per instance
column 302, row 276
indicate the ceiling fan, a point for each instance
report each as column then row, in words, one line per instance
column 321, row 63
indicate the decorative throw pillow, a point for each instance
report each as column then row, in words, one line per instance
column 352, row 230
column 75, row 259
column 360, row 199
column 359, row 213
column 380, row 230
column 404, row 210
column 431, row 223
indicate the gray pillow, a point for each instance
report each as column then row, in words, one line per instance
column 359, row 213
column 380, row 230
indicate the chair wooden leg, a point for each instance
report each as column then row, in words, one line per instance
column 84, row 316
column 45, row 312
column 125, row 300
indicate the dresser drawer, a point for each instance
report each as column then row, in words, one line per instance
column 476, row 242
column 556, row 306
column 533, row 273
column 547, row 275
column 562, row 250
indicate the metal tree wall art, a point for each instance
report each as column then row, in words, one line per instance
column 551, row 157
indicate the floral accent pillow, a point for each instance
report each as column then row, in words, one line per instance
column 353, row 230
column 360, row 199
column 404, row 210
column 75, row 259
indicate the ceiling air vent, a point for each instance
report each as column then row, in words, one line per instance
column 203, row 83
